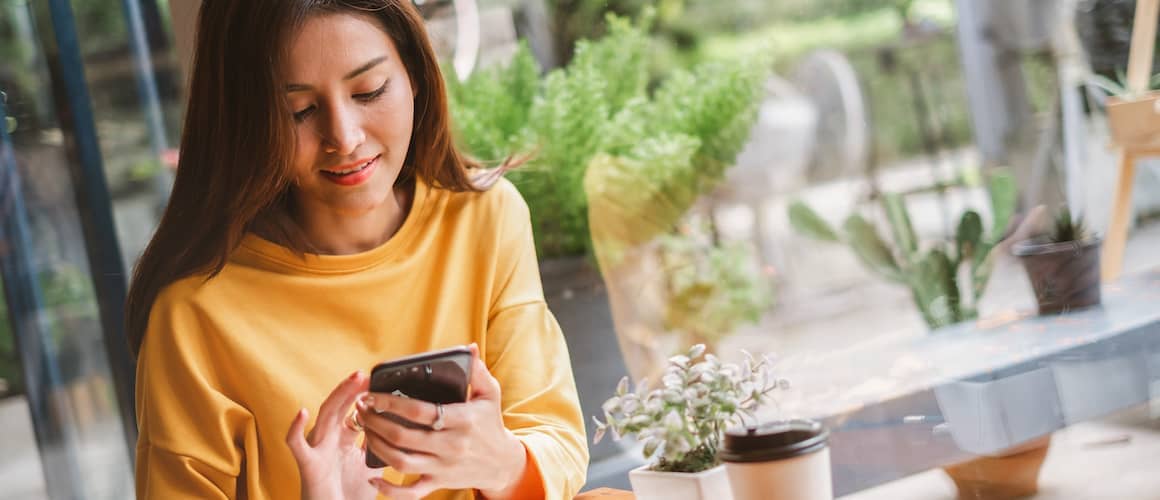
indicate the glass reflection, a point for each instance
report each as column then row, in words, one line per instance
column 58, row 413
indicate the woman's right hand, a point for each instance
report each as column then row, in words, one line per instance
column 331, row 463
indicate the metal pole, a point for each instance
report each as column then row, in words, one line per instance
column 147, row 86
column 984, row 86
column 96, row 213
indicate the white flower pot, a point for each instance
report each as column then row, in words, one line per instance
column 988, row 415
column 712, row 484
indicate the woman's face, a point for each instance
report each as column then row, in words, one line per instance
column 353, row 107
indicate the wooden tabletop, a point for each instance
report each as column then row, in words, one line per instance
column 606, row 494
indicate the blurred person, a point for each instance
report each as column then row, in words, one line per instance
column 322, row 221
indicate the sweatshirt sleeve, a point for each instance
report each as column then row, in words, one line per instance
column 526, row 352
column 187, row 444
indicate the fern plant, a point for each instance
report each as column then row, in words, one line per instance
column 661, row 154
column 597, row 114
column 491, row 108
column 561, row 116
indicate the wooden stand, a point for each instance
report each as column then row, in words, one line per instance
column 1139, row 73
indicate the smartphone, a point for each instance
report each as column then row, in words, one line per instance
column 436, row 377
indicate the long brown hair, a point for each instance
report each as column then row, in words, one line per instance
column 238, row 138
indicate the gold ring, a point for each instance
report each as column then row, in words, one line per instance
column 353, row 423
column 438, row 423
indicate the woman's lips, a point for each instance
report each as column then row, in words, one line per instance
column 354, row 174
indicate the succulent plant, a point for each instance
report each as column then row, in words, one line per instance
column 932, row 273
column 1066, row 229
column 1119, row 87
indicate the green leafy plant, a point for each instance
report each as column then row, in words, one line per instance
column 491, row 107
column 712, row 286
column 661, row 155
column 675, row 142
column 940, row 291
column 682, row 422
column 561, row 116
column 68, row 302
column 903, row 8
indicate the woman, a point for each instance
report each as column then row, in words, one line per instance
column 322, row 222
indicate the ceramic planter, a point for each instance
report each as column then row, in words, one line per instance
column 712, row 484
column 1136, row 122
column 1065, row 276
column 1009, row 476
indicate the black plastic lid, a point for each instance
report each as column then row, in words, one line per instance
column 773, row 441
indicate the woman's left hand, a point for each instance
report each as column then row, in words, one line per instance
column 473, row 450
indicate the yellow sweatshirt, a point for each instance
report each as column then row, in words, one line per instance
column 226, row 363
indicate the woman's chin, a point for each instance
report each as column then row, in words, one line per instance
column 358, row 206
column 360, row 201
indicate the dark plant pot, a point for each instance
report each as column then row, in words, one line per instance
column 1065, row 276
column 578, row 299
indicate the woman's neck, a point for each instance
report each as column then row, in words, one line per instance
column 330, row 233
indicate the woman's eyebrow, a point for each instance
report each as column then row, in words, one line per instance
column 299, row 87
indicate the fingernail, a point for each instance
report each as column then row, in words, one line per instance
column 355, row 375
column 369, row 401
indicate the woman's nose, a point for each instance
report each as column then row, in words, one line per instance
column 344, row 132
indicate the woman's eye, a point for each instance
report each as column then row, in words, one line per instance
column 304, row 114
column 372, row 95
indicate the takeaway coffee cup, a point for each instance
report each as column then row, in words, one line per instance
column 788, row 460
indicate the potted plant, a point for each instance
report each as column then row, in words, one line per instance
column 946, row 278
column 663, row 152
column 1063, row 265
column 681, row 423
column 1133, row 117
column 606, row 145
